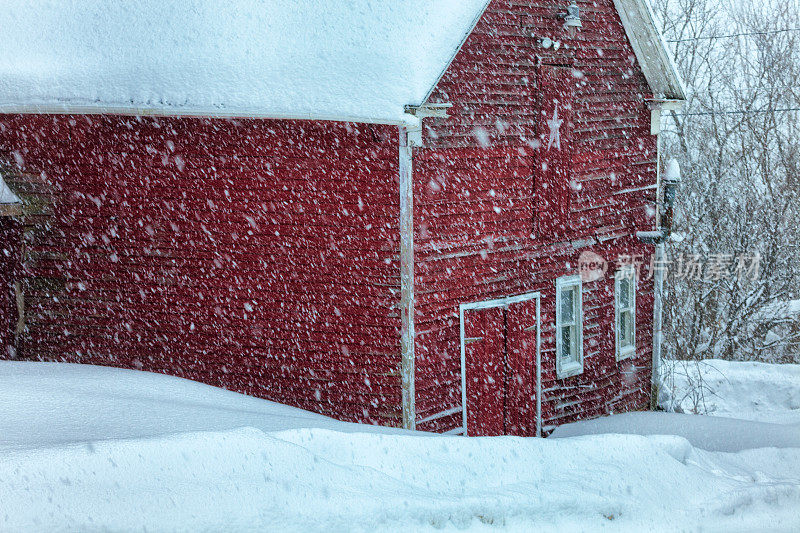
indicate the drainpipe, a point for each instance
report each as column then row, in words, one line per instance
column 667, row 191
column 658, row 297
column 665, row 196
column 407, row 335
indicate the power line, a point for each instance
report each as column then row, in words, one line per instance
column 741, row 112
column 747, row 34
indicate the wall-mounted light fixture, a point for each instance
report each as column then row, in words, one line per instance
column 572, row 19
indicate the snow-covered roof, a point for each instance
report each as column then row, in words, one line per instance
column 651, row 49
column 7, row 196
column 360, row 60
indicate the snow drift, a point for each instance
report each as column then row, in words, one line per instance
column 90, row 448
column 750, row 390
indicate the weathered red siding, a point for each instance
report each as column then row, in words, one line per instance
column 259, row 256
column 486, row 227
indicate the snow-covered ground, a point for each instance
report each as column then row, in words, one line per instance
column 88, row 449
column 751, row 391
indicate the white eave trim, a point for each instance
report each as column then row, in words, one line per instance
column 85, row 109
column 651, row 49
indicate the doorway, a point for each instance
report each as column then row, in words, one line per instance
column 501, row 366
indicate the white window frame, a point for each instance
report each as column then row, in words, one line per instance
column 629, row 272
column 574, row 367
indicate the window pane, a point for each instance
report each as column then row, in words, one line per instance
column 626, row 326
column 566, row 342
column 623, row 326
column 574, row 346
column 568, row 305
column 624, row 293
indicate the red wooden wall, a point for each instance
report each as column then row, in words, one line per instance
column 254, row 255
column 491, row 223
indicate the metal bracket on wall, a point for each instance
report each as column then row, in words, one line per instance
column 429, row 110
column 422, row 112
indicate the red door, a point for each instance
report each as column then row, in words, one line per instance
column 500, row 369
column 9, row 240
column 521, row 362
column 484, row 339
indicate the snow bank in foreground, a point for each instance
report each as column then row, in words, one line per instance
column 86, row 448
column 748, row 390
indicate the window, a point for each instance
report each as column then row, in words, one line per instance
column 625, row 312
column 569, row 327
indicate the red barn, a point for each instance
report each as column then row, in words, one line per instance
column 373, row 210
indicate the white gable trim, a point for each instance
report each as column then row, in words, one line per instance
column 651, row 49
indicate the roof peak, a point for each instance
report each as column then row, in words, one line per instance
column 650, row 49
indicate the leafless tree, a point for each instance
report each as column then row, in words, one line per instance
column 737, row 140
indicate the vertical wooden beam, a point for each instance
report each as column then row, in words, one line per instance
column 407, row 335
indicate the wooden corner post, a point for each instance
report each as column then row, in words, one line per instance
column 407, row 280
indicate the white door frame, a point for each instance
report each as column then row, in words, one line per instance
column 503, row 302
